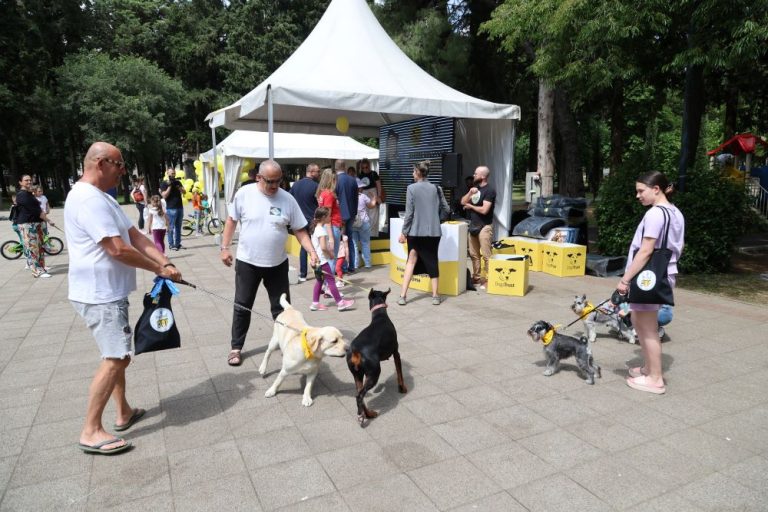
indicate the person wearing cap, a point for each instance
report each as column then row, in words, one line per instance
column 361, row 226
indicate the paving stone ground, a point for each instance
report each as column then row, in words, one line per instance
column 480, row 428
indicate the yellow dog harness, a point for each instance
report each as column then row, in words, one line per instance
column 547, row 339
column 304, row 345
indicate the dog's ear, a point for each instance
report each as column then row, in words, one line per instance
column 370, row 294
column 314, row 337
column 584, row 297
column 387, row 292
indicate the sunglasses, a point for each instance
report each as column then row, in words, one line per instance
column 117, row 163
column 271, row 182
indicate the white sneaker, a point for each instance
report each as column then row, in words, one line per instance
column 26, row 266
column 662, row 332
column 302, row 279
column 339, row 285
column 45, row 275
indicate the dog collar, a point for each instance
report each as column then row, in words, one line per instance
column 547, row 339
column 378, row 306
column 304, row 345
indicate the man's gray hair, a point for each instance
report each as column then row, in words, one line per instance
column 269, row 163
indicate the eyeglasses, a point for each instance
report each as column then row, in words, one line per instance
column 271, row 182
column 117, row 163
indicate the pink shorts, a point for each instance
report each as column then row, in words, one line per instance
column 653, row 307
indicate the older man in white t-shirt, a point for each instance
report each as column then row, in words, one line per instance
column 264, row 211
column 104, row 252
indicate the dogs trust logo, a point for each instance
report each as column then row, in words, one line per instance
column 528, row 251
column 551, row 255
column 646, row 280
column 573, row 260
column 161, row 320
column 504, row 275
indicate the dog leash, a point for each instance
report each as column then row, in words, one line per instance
column 201, row 289
column 584, row 315
column 345, row 281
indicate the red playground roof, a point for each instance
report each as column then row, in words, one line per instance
column 739, row 144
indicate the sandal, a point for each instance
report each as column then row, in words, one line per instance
column 234, row 358
column 636, row 371
column 401, row 301
column 642, row 384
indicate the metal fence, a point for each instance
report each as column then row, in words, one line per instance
column 759, row 196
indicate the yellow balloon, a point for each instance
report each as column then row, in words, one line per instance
column 342, row 124
column 180, row 174
column 188, row 196
column 248, row 164
column 198, row 165
column 199, row 186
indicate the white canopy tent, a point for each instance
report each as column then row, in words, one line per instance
column 293, row 147
column 311, row 92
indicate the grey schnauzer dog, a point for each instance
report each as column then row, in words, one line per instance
column 604, row 315
column 560, row 346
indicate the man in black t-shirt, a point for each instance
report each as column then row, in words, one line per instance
column 480, row 201
column 304, row 192
column 173, row 191
column 374, row 189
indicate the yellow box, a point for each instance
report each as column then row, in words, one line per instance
column 530, row 247
column 508, row 247
column 508, row 275
column 379, row 250
column 292, row 245
column 564, row 260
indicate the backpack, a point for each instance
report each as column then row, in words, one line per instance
column 137, row 195
column 13, row 214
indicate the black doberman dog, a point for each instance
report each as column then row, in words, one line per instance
column 375, row 343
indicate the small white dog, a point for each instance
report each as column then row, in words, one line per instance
column 604, row 315
column 302, row 346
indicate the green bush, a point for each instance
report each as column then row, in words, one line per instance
column 715, row 208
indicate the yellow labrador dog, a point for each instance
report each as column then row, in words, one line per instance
column 302, row 346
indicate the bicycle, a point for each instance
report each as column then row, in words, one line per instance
column 214, row 225
column 13, row 249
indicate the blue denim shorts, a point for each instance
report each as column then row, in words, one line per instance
column 109, row 325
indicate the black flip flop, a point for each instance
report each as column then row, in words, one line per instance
column 97, row 449
column 137, row 415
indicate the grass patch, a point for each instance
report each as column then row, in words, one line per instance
column 747, row 287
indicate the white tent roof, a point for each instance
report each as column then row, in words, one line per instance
column 313, row 87
column 291, row 146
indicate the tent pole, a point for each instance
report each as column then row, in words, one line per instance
column 217, row 209
column 270, row 123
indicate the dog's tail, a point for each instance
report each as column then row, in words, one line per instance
column 284, row 302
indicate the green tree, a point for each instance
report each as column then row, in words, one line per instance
column 127, row 101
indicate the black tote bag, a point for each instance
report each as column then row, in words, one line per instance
column 651, row 284
column 156, row 328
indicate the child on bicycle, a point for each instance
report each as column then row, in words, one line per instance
column 319, row 227
column 44, row 207
column 157, row 222
column 197, row 210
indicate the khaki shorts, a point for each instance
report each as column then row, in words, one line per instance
column 109, row 325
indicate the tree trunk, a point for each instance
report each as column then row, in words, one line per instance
column 571, row 179
column 693, row 110
column 546, row 143
column 731, row 109
column 617, row 124
column 532, row 147
column 596, row 164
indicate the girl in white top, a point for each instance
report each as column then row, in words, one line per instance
column 157, row 222
column 320, row 227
